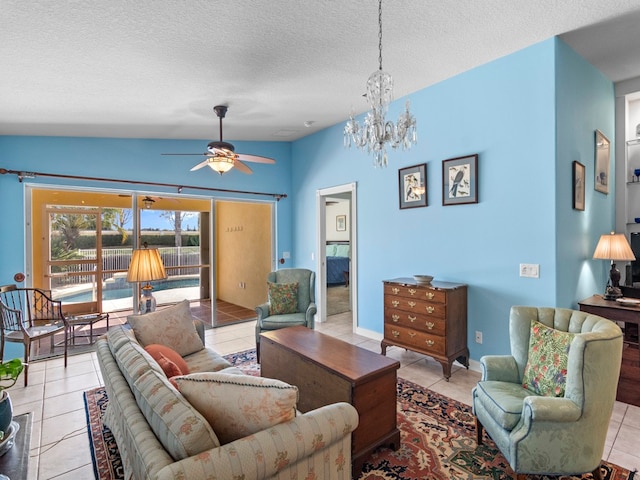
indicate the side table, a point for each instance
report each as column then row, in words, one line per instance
column 629, row 381
column 15, row 463
column 83, row 320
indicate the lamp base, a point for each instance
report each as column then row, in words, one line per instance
column 147, row 302
column 611, row 293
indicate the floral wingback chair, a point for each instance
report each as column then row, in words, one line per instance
column 292, row 298
column 547, row 406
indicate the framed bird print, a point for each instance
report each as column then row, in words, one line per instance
column 412, row 183
column 460, row 180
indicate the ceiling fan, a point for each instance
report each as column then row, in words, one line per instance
column 221, row 156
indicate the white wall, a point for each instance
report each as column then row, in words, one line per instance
column 341, row 207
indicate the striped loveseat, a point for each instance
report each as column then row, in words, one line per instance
column 160, row 435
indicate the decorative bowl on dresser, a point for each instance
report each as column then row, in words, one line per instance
column 429, row 319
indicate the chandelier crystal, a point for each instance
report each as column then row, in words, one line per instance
column 377, row 132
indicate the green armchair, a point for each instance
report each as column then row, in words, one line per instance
column 546, row 434
column 306, row 306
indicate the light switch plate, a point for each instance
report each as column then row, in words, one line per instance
column 530, row 270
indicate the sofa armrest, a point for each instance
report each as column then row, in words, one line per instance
column 501, row 368
column 264, row 454
column 262, row 311
column 550, row 409
column 200, row 329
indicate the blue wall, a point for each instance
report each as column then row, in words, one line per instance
column 527, row 115
column 583, row 104
column 506, row 112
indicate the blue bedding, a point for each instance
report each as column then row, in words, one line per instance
column 336, row 266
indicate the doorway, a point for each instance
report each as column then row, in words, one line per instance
column 336, row 214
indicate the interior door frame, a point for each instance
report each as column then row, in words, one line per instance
column 321, row 256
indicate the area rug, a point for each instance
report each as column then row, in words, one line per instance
column 338, row 300
column 437, row 440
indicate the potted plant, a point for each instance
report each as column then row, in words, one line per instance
column 9, row 373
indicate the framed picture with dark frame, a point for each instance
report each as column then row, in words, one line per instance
column 578, row 185
column 460, row 180
column 412, row 186
column 341, row 223
column 602, row 162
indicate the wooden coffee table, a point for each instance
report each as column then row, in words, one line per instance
column 327, row 370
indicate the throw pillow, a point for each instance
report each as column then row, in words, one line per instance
column 169, row 368
column 283, row 298
column 238, row 405
column 172, row 326
column 157, row 351
column 546, row 369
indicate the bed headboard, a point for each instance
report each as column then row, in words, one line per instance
column 338, row 248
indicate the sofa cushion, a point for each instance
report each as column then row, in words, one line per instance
column 181, row 429
column 133, row 362
column 238, row 405
column 156, row 351
column 172, row 326
column 283, row 298
column 206, row 360
column 546, row 370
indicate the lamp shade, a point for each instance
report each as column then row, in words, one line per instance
column 146, row 265
column 613, row 246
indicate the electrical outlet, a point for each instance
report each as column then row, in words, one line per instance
column 478, row 337
column 530, row 270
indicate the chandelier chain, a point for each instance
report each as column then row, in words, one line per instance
column 380, row 33
column 377, row 133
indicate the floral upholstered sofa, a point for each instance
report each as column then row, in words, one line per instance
column 213, row 422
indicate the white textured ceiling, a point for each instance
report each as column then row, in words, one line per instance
column 155, row 68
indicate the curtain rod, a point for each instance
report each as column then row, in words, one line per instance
column 23, row 175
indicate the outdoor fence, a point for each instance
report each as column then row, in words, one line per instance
column 178, row 261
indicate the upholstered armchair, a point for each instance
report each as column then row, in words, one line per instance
column 556, row 425
column 301, row 299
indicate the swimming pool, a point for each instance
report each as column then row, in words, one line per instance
column 114, row 292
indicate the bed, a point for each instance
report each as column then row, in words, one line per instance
column 338, row 260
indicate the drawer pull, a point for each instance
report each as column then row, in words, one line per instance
column 395, row 303
column 395, row 318
column 395, row 290
column 429, row 295
column 412, row 319
column 430, row 309
column 412, row 334
column 412, row 291
column 412, row 304
column 395, row 333
column 430, row 342
column 430, row 325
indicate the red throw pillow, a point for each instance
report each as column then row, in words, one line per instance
column 169, row 368
column 155, row 350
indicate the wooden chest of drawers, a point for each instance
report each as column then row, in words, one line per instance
column 430, row 319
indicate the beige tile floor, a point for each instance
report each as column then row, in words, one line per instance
column 60, row 444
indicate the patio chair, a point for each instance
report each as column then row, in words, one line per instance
column 29, row 315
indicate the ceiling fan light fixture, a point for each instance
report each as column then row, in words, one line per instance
column 221, row 164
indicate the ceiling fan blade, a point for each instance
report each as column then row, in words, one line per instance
column 200, row 165
column 242, row 167
column 255, row 158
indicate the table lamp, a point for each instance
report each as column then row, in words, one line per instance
column 613, row 246
column 146, row 265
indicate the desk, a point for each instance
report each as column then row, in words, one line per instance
column 15, row 462
column 629, row 382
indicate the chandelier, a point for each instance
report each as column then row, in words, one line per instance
column 377, row 132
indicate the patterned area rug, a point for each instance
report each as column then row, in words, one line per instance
column 437, row 440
